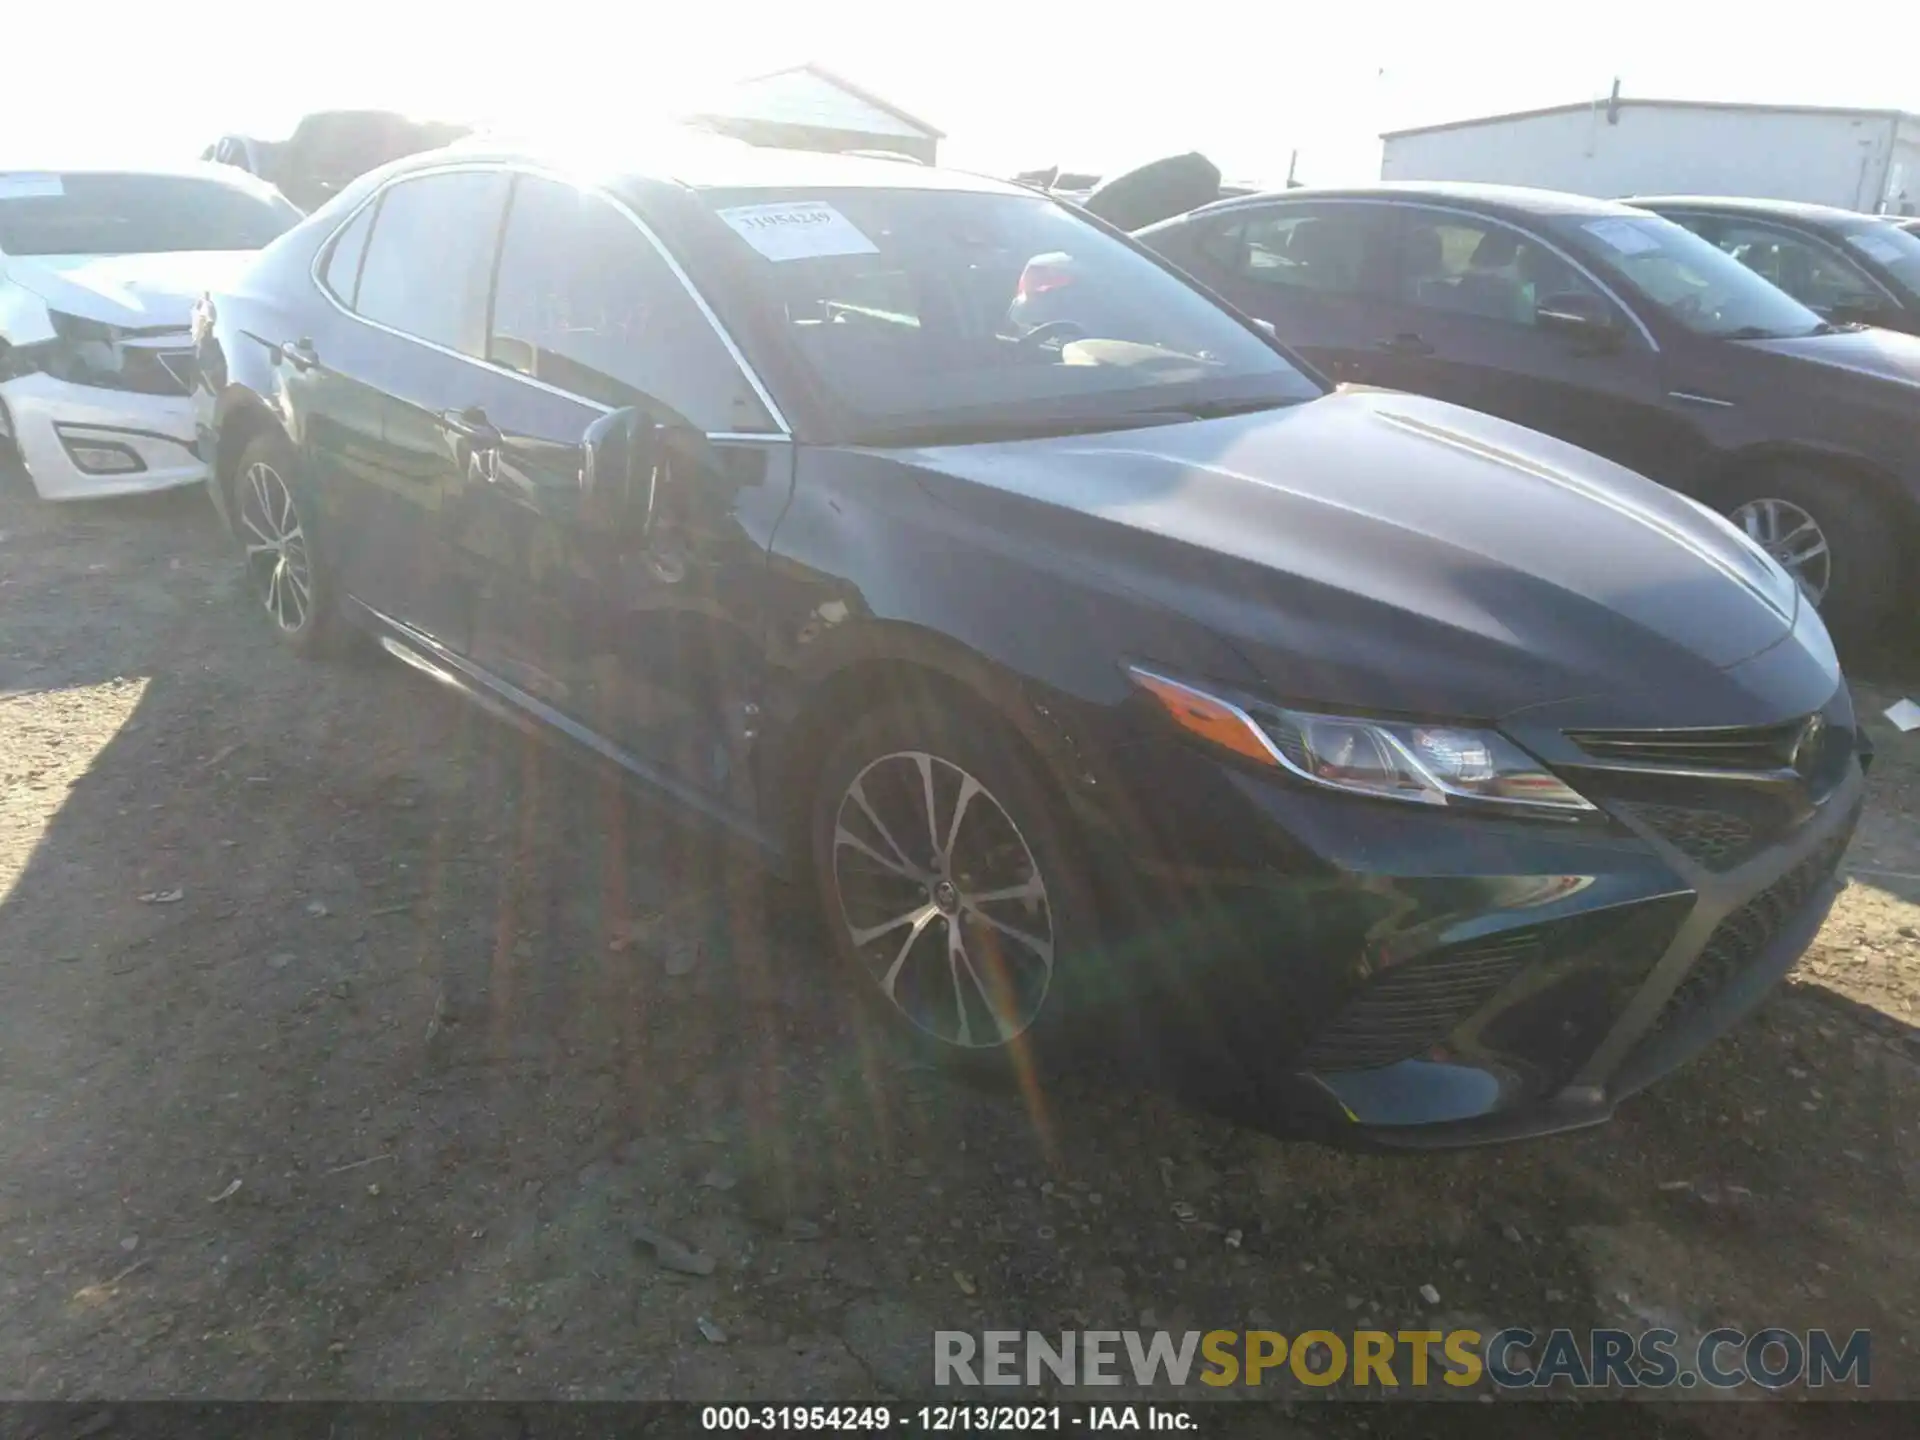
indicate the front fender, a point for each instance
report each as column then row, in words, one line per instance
column 871, row 580
column 236, row 392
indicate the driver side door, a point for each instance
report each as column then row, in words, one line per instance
column 642, row 634
column 1470, row 290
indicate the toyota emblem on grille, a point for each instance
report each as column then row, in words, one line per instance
column 1806, row 749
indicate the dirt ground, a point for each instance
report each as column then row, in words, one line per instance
column 348, row 1038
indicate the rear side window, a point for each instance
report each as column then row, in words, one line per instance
column 1327, row 250
column 342, row 275
column 425, row 268
column 585, row 303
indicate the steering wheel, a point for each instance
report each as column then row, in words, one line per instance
column 1053, row 332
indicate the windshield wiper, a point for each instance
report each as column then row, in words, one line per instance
column 1756, row 332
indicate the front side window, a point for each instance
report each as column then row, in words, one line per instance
column 101, row 214
column 584, row 302
column 930, row 309
column 1476, row 267
column 1894, row 249
column 1691, row 281
column 1328, row 250
column 425, row 269
column 1804, row 268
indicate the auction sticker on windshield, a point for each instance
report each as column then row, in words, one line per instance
column 1625, row 236
column 797, row 230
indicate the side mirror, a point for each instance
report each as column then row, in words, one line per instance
column 619, row 469
column 1857, row 310
column 1579, row 315
column 1265, row 327
column 629, row 460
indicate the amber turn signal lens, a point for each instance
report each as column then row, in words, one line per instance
column 1214, row 721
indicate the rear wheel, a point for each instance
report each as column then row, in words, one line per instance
column 944, row 882
column 1828, row 532
column 285, row 569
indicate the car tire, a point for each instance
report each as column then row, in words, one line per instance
column 1010, row 1000
column 282, row 559
column 1861, row 537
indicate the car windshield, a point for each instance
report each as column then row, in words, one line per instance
column 937, row 312
column 51, row 214
column 1695, row 282
column 1896, row 251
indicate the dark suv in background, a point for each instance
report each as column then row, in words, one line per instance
column 1612, row 328
column 1851, row 268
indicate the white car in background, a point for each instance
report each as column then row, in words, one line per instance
column 99, row 273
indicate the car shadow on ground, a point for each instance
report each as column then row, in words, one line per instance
column 353, row 1044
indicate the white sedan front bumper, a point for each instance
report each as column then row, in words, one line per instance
column 81, row 442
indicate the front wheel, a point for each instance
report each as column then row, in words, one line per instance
column 285, row 569
column 946, row 887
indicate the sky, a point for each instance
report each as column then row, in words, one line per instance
column 1014, row 85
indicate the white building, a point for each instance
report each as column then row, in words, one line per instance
column 1856, row 159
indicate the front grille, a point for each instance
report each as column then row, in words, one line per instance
column 1736, row 748
column 1717, row 839
column 1740, row 937
column 1415, row 1005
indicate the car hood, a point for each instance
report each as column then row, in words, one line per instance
column 1397, row 553
column 1884, row 354
column 132, row 291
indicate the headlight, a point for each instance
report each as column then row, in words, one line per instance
column 1393, row 759
column 86, row 351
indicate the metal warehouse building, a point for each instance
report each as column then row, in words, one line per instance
column 1856, row 159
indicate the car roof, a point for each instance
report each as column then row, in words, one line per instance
column 699, row 160
column 1745, row 205
column 1491, row 198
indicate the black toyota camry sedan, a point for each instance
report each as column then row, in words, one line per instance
column 1111, row 680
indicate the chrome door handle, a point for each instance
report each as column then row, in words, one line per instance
column 1405, row 343
column 472, row 426
column 299, row 353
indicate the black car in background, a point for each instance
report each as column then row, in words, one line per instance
column 1848, row 267
column 1362, row 758
column 330, row 148
column 1611, row 328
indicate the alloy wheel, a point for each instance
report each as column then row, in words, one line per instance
column 943, row 900
column 1792, row 537
column 276, row 544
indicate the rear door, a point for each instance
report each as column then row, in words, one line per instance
column 1470, row 292
column 382, row 387
column 1321, row 272
column 648, row 638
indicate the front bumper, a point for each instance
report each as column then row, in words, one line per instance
column 1392, row 976
column 50, row 418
